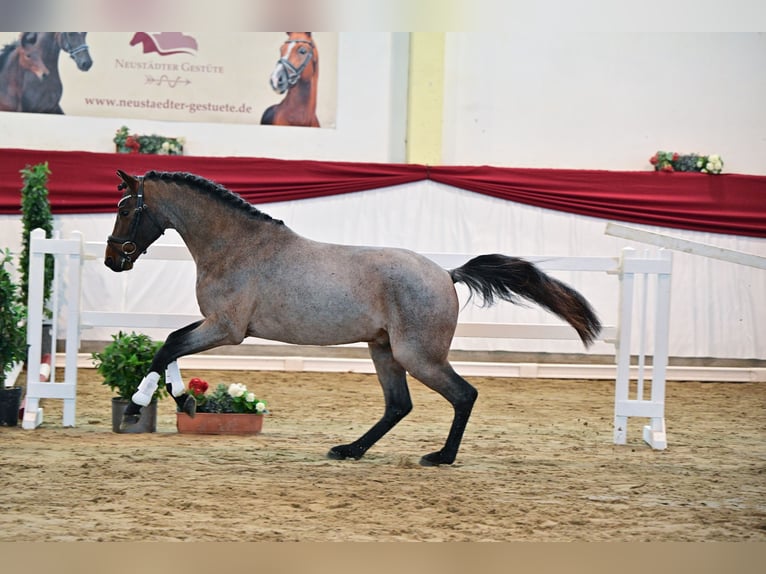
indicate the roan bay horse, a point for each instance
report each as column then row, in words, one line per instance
column 19, row 60
column 256, row 277
column 297, row 73
column 44, row 96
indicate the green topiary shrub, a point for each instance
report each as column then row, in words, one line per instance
column 36, row 214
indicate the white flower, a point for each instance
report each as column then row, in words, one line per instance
column 166, row 146
column 237, row 390
column 260, row 407
column 250, row 397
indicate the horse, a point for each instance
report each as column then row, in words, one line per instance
column 258, row 278
column 44, row 97
column 16, row 60
column 297, row 73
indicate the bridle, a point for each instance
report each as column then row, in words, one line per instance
column 66, row 46
column 126, row 246
column 293, row 74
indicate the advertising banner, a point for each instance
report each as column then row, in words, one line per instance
column 221, row 77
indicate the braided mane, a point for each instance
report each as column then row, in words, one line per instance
column 213, row 190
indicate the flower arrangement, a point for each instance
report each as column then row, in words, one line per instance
column 153, row 144
column 672, row 161
column 234, row 398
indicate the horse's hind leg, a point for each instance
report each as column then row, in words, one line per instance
column 460, row 393
column 393, row 379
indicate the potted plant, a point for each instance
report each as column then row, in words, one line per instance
column 228, row 409
column 123, row 363
column 125, row 142
column 36, row 214
column 13, row 344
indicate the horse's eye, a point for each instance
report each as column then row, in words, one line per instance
column 124, row 213
column 302, row 51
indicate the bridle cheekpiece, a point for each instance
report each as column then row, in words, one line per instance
column 293, row 74
column 126, row 246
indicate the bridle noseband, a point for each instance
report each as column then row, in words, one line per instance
column 127, row 246
column 64, row 43
column 293, row 74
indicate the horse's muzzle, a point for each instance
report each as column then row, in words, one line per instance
column 279, row 79
column 83, row 64
column 118, row 264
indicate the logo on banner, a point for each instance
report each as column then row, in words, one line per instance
column 165, row 43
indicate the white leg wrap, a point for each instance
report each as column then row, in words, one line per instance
column 173, row 376
column 143, row 396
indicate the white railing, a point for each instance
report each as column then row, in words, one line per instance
column 73, row 253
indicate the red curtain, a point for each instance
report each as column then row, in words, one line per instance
column 84, row 182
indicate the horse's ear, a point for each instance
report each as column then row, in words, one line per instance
column 28, row 38
column 129, row 180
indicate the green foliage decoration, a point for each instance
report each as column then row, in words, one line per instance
column 36, row 214
column 13, row 338
column 126, row 361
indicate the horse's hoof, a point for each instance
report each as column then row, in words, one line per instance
column 128, row 422
column 435, row 459
column 344, row 451
column 190, row 406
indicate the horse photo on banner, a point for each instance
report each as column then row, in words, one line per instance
column 246, row 77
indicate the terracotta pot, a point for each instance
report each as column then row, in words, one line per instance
column 219, row 423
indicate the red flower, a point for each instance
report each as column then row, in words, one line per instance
column 197, row 386
column 653, row 160
column 675, row 157
column 667, row 167
column 133, row 144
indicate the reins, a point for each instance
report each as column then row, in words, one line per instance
column 127, row 246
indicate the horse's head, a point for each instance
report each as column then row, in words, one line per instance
column 31, row 54
column 298, row 60
column 135, row 228
column 73, row 43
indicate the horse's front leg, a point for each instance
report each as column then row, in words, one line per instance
column 194, row 338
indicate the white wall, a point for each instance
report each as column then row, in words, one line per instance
column 544, row 99
column 604, row 100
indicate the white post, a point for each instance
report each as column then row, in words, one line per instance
column 624, row 328
column 72, row 328
column 55, row 304
column 32, row 412
column 655, row 433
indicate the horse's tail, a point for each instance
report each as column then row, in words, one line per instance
column 510, row 277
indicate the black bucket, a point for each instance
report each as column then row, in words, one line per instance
column 10, row 402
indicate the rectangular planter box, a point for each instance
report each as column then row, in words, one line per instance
column 219, row 423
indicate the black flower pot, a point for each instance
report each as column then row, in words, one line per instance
column 10, row 402
column 146, row 423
